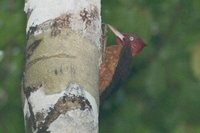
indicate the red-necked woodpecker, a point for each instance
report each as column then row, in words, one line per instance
column 117, row 62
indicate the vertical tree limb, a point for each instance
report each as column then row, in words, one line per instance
column 63, row 53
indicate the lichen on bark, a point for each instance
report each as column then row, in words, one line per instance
column 61, row 78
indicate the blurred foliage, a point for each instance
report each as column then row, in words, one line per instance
column 12, row 43
column 196, row 61
column 162, row 94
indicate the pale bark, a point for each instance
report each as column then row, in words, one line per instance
column 63, row 53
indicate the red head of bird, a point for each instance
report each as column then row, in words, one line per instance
column 136, row 43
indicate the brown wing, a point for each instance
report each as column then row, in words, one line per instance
column 115, row 69
column 108, row 67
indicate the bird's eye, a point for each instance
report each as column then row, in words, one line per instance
column 131, row 38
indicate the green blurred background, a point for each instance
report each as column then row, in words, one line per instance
column 162, row 94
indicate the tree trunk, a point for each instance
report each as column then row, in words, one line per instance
column 61, row 78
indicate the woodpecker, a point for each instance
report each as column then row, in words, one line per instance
column 116, row 64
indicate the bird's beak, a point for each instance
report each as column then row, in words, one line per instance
column 116, row 32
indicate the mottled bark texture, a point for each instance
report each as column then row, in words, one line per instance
column 61, row 78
